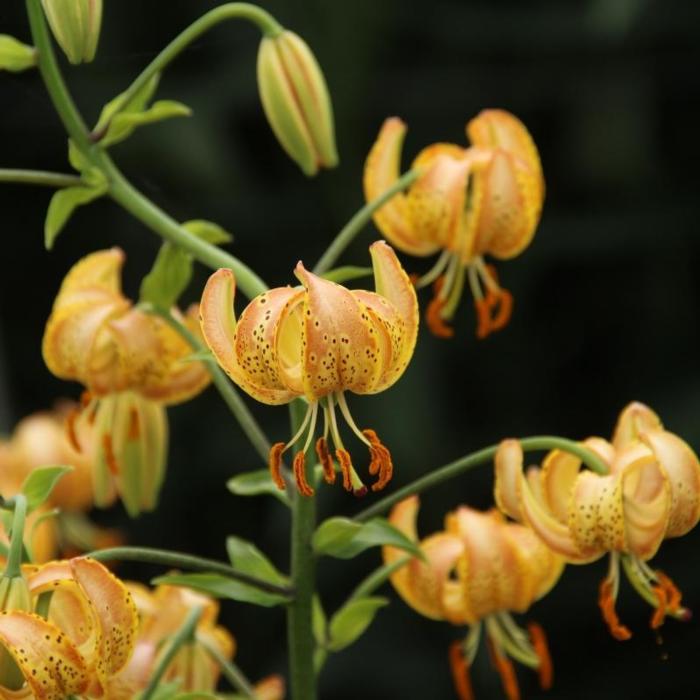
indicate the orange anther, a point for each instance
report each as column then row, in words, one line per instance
column 460, row 672
column 673, row 595
column 109, row 454
column 343, row 457
column 381, row 462
column 505, row 669
column 85, row 398
column 433, row 318
column 274, row 462
column 299, row 465
column 504, row 301
column 657, row 619
column 414, row 277
column 71, row 420
column 606, row 603
column 324, row 457
column 493, row 312
column 539, row 642
column 134, row 428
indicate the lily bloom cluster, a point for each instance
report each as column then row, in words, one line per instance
column 318, row 342
column 475, row 572
column 132, row 365
column 468, row 202
column 652, row 492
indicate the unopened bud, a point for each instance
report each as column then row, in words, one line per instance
column 296, row 101
column 76, row 26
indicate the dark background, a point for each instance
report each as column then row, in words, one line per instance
column 607, row 296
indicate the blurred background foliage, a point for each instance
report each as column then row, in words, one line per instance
column 607, row 296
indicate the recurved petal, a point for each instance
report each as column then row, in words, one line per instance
column 97, row 272
column 507, row 478
column 381, row 172
column 635, row 418
column 270, row 688
column 50, row 664
column 681, row 466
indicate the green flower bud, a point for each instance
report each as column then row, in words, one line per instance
column 296, row 101
column 76, row 26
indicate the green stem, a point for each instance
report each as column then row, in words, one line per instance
column 228, row 393
column 302, row 676
column 182, row 636
column 450, row 471
column 267, row 24
column 360, row 220
column 14, row 556
column 186, row 561
column 230, row 671
column 377, row 578
column 38, row 177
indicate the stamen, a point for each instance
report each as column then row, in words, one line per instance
column 345, row 410
column 434, row 272
column 606, row 602
column 343, row 457
column 134, row 428
column 71, row 433
column 109, row 454
column 351, row 481
column 673, row 594
column 274, row 462
column 495, row 309
column 299, row 465
column 460, row 672
column 433, row 313
column 657, row 619
column 381, row 463
column 324, row 457
column 505, row 669
column 539, row 643
column 85, row 399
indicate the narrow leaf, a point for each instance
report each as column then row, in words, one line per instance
column 319, row 623
column 335, row 535
column 168, row 278
column 14, row 55
column 39, row 484
column 248, row 559
column 137, row 103
column 352, row 620
column 208, row 231
column 123, row 124
column 62, row 206
column 256, row 483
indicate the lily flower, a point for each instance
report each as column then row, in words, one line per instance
column 652, row 492
column 475, row 572
column 318, row 342
column 85, row 637
column 132, row 364
column 468, row 202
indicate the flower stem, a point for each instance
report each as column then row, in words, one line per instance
column 230, row 671
column 360, row 220
column 300, row 637
column 228, row 393
column 182, row 636
column 186, row 561
column 475, row 459
column 377, row 578
column 38, row 177
column 267, row 24
column 14, row 556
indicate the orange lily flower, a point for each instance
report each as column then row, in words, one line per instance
column 132, row 365
column 475, row 572
column 318, row 342
column 468, row 202
column 652, row 492
column 86, row 637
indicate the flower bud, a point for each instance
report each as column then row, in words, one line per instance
column 296, row 101
column 76, row 26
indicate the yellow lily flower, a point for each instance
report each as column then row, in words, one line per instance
column 652, row 492
column 317, row 342
column 468, row 202
column 86, row 637
column 132, row 365
column 475, row 572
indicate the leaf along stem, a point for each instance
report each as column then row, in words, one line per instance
column 475, row 459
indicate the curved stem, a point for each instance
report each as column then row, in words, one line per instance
column 360, row 220
column 38, row 177
column 377, row 578
column 186, row 561
column 475, row 459
column 14, row 556
column 267, row 24
column 302, row 675
column 228, row 393
column 230, row 671
column 182, row 636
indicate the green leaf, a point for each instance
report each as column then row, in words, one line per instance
column 256, row 483
column 352, row 620
column 62, row 206
column 168, row 278
column 222, row 587
column 248, row 559
column 347, row 273
column 208, row 231
column 136, row 104
column 123, row 124
column 319, row 623
column 14, row 55
column 39, row 484
column 344, row 538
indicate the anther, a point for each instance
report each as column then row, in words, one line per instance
column 274, row 462
column 506, row 671
column 539, row 643
column 381, row 463
column 299, row 465
column 657, row 619
column 71, row 433
column 433, row 313
column 606, row 603
column 460, row 672
column 673, row 595
column 109, row 454
column 324, row 457
column 343, row 457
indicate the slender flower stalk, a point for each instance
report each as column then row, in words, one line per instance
column 38, row 177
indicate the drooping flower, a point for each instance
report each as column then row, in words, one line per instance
column 318, row 342
column 132, row 364
column 467, row 203
column 475, row 572
column 73, row 648
column 652, row 492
